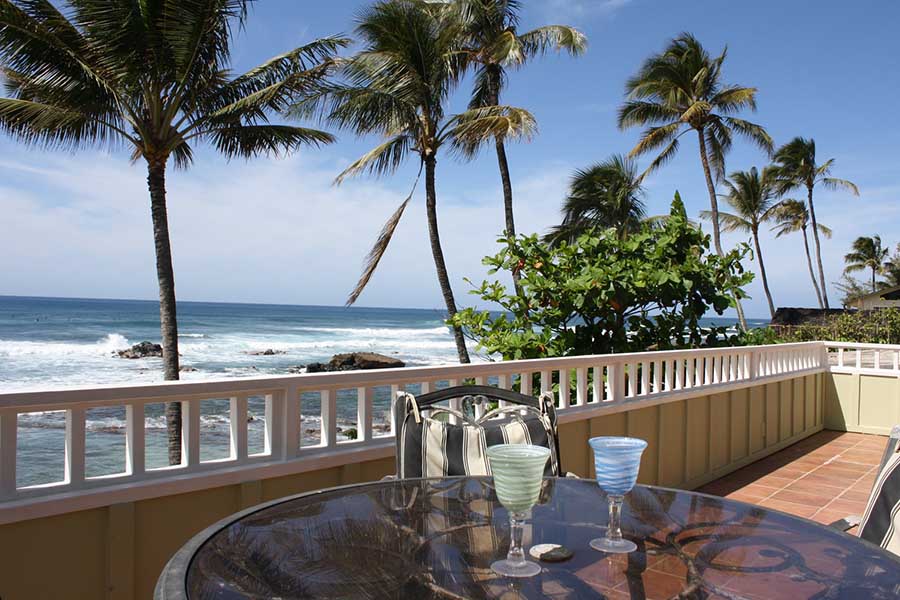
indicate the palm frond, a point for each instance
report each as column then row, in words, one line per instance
column 640, row 112
column 248, row 141
column 833, row 183
column 381, row 244
column 381, row 160
column 554, row 37
column 470, row 130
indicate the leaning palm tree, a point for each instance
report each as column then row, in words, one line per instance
column 398, row 86
column 606, row 195
column 752, row 196
column 681, row 90
column 152, row 77
column 494, row 45
column 867, row 253
column 792, row 216
column 796, row 167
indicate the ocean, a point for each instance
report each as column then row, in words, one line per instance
column 56, row 342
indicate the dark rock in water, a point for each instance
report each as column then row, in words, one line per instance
column 297, row 370
column 352, row 361
column 362, row 360
column 267, row 352
column 187, row 369
column 142, row 350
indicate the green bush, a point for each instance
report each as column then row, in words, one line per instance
column 603, row 294
column 880, row 326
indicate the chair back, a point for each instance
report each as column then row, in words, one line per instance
column 881, row 520
column 443, row 441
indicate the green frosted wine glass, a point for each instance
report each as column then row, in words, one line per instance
column 518, row 471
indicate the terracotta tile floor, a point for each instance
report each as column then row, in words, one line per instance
column 824, row 478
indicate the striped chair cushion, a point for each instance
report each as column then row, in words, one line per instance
column 881, row 520
column 432, row 446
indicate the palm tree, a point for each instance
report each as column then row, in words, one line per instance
column 494, row 45
column 867, row 253
column 796, row 167
column 398, row 86
column 791, row 216
column 752, row 196
column 681, row 90
column 151, row 76
column 606, row 195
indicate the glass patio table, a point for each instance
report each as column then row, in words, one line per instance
column 436, row 538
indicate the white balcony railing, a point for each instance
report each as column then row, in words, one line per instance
column 586, row 386
column 871, row 359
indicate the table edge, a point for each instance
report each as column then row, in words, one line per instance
column 172, row 581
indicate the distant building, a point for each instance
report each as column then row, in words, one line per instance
column 886, row 298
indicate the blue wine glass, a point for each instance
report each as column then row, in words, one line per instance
column 617, row 461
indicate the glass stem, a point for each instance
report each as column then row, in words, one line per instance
column 614, row 532
column 516, row 555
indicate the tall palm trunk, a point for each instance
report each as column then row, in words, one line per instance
column 438, row 253
column 505, row 179
column 762, row 272
column 815, row 230
column 714, row 212
column 168, row 322
column 873, row 279
column 812, row 274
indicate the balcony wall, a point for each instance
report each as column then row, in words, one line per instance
column 863, row 392
column 703, row 413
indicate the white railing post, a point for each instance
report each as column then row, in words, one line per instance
column 645, row 377
column 134, row 439
column 9, row 425
column 657, row 376
column 75, row 447
column 328, row 415
column 564, row 375
column 525, row 383
column 396, row 389
column 190, row 433
column 289, row 426
column 365, row 397
column 238, row 422
column 615, row 373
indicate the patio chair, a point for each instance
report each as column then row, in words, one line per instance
column 881, row 519
column 438, row 441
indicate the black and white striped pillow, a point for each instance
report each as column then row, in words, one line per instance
column 881, row 521
column 433, row 446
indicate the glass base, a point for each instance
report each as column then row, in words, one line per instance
column 613, row 546
column 510, row 569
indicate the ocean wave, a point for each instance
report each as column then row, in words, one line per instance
column 388, row 332
column 192, row 335
column 102, row 347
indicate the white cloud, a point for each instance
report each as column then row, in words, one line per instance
column 581, row 9
column 265, row 231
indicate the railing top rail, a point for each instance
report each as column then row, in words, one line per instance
column 156, row 392
column 861, row 346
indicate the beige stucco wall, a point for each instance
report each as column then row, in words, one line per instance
column 864, row 403
column 117, row 552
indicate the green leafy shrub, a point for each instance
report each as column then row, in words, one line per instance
column 602, row 294
column 880, row 326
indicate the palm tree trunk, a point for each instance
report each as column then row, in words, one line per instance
column 815, row 230
column 873, row 279
column 762, row 272
column 168, row 322
column 507, row 201
column 438, row 253
column 503, row 163
column 809, row 264
column 714, row 211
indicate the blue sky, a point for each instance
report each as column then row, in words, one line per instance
column 276, row 230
